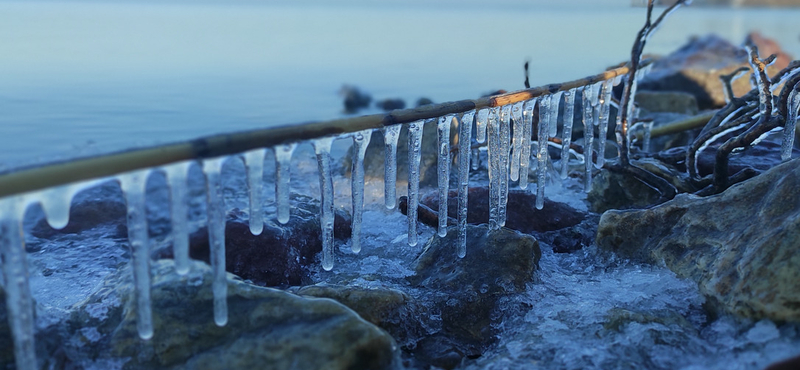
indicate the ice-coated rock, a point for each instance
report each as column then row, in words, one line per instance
column 739, row 246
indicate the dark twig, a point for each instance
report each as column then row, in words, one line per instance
column 727, row 81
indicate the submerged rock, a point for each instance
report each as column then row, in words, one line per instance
column 280, row 255
column 266, row 328
column 739, row 246
column 467, row 290
column 354, row 98
column 390, row 104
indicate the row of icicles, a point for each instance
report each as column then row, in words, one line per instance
column 508, row 158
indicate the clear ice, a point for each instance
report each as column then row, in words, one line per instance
column 390, row 136
column 480, row 125
column 555, row 104
column 216, row 237
column 527, row 132
column 505, row 148
column 517, row 140
column 176, row 177
column 493, row 133
column 566, row 133
column 360, row 142
column 588, row 135
column 414, row 156
column 283, row 162
column 542, row 155
column 254, row 162
column 464, row 143
column 133, row 186
column 322, row 148
column 443, row 169
column 791, row 124
column 604, row 109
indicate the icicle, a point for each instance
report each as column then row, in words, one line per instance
column 791, row 124
column 254, row 161
column 390, row 136
column 19, row 302
column 648, row 128
column 505, row 149
column 283, row 162
column 527, row 131
column 133, row 186
column 322, row 147
column 443, row 166
column 542, row 155
column 588, row 135
column 604, row 111
column 414, row 155
column 566, row 134
column 517, row 140
column 476, row 159
column 176, row 177
column 464, row 142
column 468, row 118
column 493, row 136
column 555, row 104
column 216, row 237
column 360, row 142
column 480, row 125
column 618, row 80
column 56, row 203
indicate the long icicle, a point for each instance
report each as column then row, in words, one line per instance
column 588, row 136
column 390, row 137
column 283, row 162
column 481, row 122
column 15, row 273
column 254, row 162
column 414, row 155
column 493, row 137
column 517, row 140
column 216, row 237
column 133, row 186
column 605, row 110
column 542, row 155
column 505, row 149
column 322, row 148
column 443, row 169
column 360, row 143
column 555, row 104
column 791, row 124
column 566, row 133
column 176, row 178
column 464, row 143
column 527, row 132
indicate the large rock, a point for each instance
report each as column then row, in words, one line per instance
column 695, row 68
column 266, row 328
column 739, row 246
column 498, row 263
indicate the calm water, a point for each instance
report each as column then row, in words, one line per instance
column 80, row 78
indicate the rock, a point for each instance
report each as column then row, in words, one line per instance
column 86, row 215
column 354, row 98
column 739, row 246
column 424, row 101
column 667, row 101
column 614, row 190
column 6, row 342
column 390, row 104
column 498, row 263
column 695, row 68
column 522, row 213
column 787, row 364
column 265, row 327
column 280, row 255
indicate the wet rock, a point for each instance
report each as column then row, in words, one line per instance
column 667, row 101
column 6, row 343
column 280, row 255
column 614, row 190
column 695, row 68
column 424, row 101
column 265, row 326
column 522, row 213
column 86, row 215
column 739, row 246
column 354, row 98
column 390, row 104
column 498, row 263
column 788, row 364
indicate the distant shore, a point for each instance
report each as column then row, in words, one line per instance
column 732, row 3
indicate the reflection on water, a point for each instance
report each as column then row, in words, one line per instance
column 87, row 77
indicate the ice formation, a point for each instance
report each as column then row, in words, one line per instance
column 360, row 142
column 390, row 136
column 283, row 158
column 322, row 147
column 566, row 133
column 216, row 238
column 176, row 177
column 414, row 156
column 254, row 161
column 443, row 169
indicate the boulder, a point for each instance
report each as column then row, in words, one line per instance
column 467, row 290
column 266, row 328
column 667, row 101
column 740, row 246
column 695, row 68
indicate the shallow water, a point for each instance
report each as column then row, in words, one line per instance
column 88, row 77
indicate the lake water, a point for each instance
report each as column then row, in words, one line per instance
column 81, row 78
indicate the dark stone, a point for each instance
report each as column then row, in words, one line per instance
column 354, row 99
column 667, row 101
column 280, row 255
column 424, row 101
column 695, row 68
column 467, row 290
column 740, row 246
column 390, row 104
